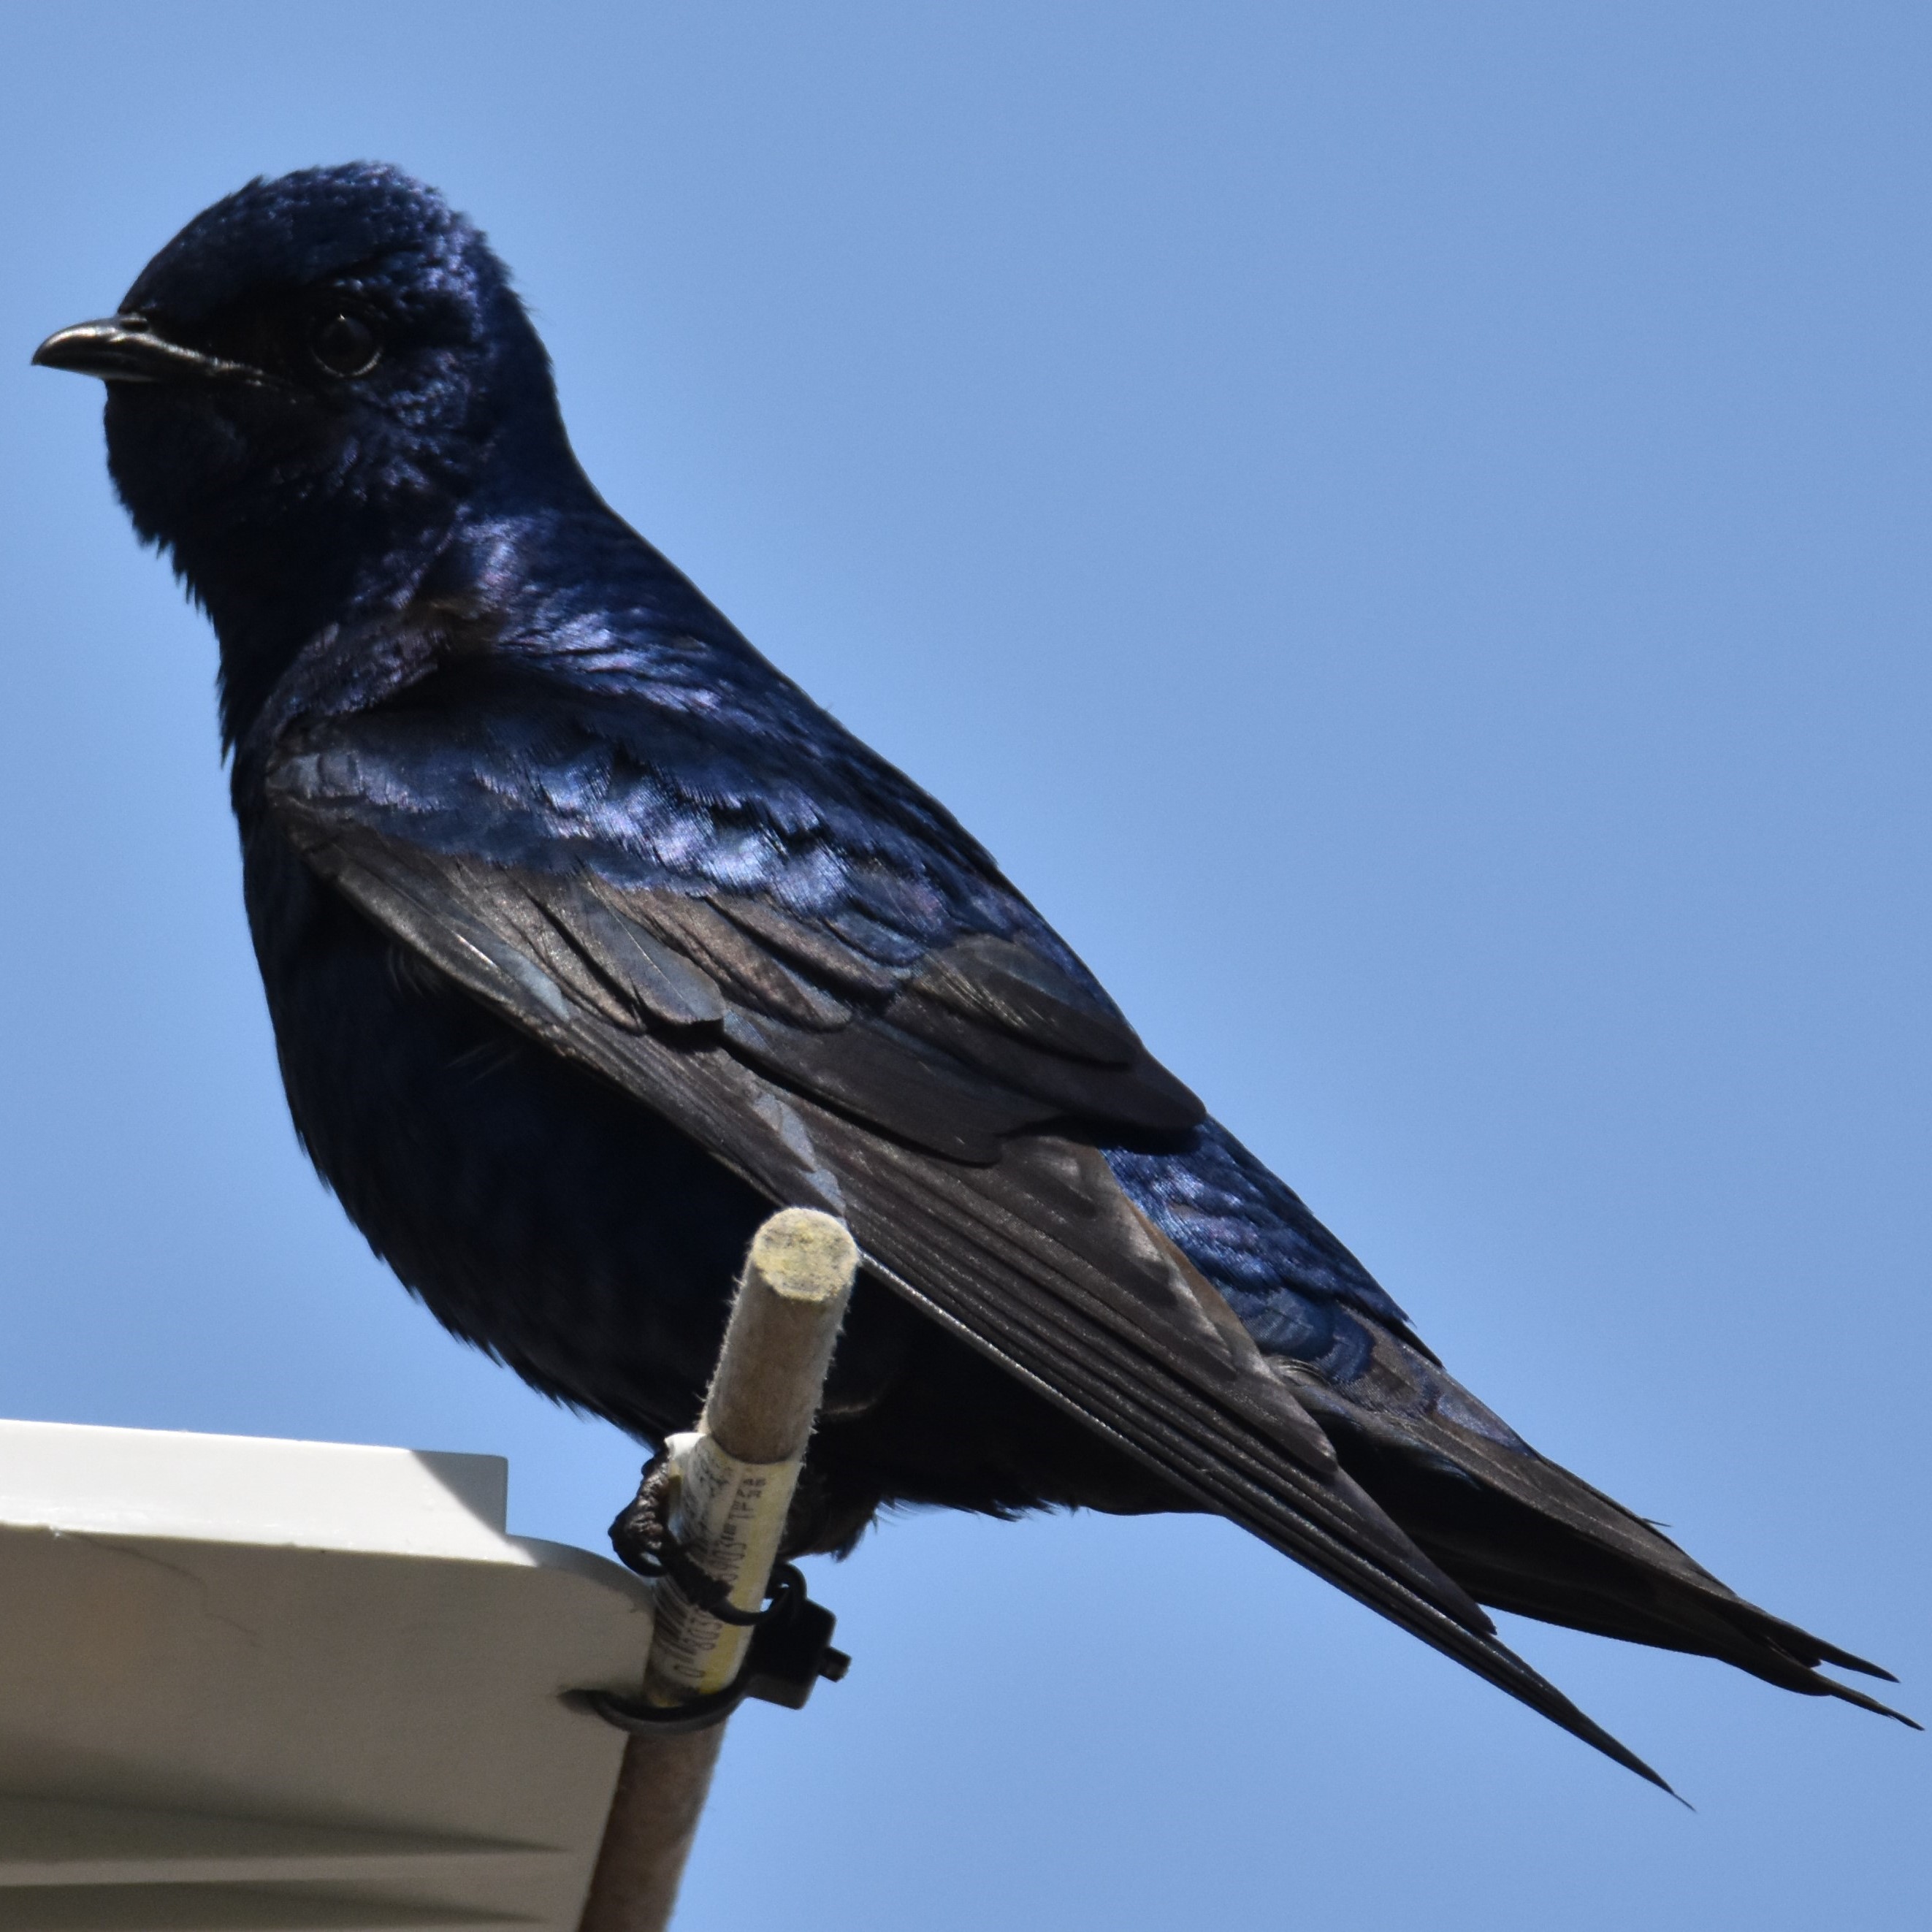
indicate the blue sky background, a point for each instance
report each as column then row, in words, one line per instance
column 1405, row 527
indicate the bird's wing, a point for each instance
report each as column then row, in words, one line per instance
column 852, row 1043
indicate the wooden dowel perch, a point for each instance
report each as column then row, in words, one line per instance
column 736, row 1475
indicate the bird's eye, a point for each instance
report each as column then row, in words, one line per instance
column 344, row 344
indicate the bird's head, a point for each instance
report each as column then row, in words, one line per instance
column 306, row 384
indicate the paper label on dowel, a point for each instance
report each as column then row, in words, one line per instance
column 730, row 1517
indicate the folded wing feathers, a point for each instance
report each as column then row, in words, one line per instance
column 814, row 947
column 745, row 969
column 664, row 985
column 1139, row 1367
column 998, row 982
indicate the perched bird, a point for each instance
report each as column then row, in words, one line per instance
column 588, row 938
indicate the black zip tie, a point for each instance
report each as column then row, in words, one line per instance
column 791, row 1637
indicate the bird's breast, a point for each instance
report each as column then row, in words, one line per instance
column 535, row 1210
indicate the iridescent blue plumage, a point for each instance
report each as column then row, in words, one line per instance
column 667, row 754
column 1296, row 1289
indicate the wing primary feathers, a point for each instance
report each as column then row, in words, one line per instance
column 1024, row 1246
column 917, row 1094
column 1296, row 1536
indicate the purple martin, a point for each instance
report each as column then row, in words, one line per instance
column 588, row 939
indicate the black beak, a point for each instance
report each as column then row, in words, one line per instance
column 126, row 348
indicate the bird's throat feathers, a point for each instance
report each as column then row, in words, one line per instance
column 278, row 554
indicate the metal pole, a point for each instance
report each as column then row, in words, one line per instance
column 737, row 1475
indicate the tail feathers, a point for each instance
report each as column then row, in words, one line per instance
column 1515, row 1561
column 1521, row 1534
column 1826, row 1688
column 1829, row 1653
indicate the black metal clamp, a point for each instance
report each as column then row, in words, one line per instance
column 791, row 1646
